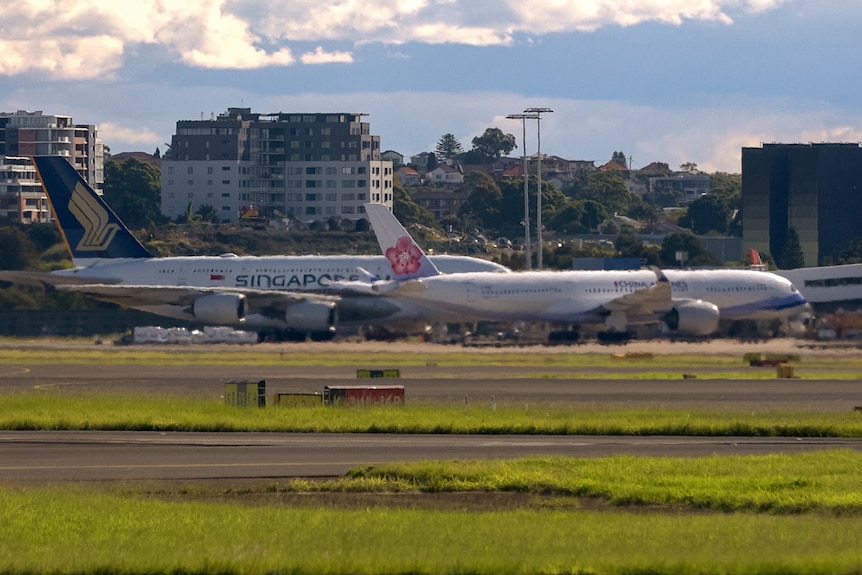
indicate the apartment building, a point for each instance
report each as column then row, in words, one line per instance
column 312, row 167
column 26, row 134
column 21, row 197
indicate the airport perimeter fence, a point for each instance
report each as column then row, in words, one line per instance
column 92, row 322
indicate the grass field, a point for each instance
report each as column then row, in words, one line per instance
column 793, row 514
column 54, row 411
column 743, row 515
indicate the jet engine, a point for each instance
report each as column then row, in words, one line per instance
column 220, row 308
column 692, row 317
column 311, row 316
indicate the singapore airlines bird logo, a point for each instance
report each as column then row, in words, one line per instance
column 98, row 231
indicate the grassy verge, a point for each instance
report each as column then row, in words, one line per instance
column 547, row 362
column 792, row 514
column 37, row 411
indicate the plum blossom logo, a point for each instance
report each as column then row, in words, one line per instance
column 404, row 257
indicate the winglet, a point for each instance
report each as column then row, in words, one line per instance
column 90, row 228
column 407, row 259
column 367, row 275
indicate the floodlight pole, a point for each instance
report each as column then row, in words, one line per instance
column 527, row 248
column 538, row 114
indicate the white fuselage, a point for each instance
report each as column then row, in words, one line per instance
column 302, row 273
column 578, row 296
column 313, row 274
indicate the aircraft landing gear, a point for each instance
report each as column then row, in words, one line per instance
column 613, row 337
column 564, row 337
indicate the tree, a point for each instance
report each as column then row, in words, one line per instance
column 18, row 251
column 409, row 212
column 689, row 167
column 133, row 190
column 493, row 143
column 608, row 189
column 448, row 146
column 620, row 158
column 685, row 241
column 852, row 254
column 484, row 200
column 706, row 214
column 791, row 256
column 207, row 213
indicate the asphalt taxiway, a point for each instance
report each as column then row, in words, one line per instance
column 50, row 456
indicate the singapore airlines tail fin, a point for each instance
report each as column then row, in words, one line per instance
column 408, row 261
column 91, row 230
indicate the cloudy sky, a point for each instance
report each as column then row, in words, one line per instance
column 661, row 80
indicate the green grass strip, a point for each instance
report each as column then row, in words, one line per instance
column 48, row 411
column 819, row 481
column 87, row 530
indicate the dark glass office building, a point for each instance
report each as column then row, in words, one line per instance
column 814, row 188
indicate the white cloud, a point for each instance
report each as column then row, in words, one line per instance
column 88, row 38
column 132, row 138
column 137, row 118
column 321, row 56
column 90, row 57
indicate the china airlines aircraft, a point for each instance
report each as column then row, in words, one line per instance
column 282, row 296
column 688, row 303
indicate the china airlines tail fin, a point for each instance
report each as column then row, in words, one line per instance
column 756, row 262
column 89, row 227
column 408, row 261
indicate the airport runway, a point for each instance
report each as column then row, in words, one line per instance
column 48, row 456
column 110, row 456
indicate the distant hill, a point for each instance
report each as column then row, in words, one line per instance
column 140, row 156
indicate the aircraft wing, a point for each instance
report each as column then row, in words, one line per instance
column 137, row 296
column 654, row 299
column 40, row 279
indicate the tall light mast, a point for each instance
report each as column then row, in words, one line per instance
column 538, row 114
column 527, row 248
